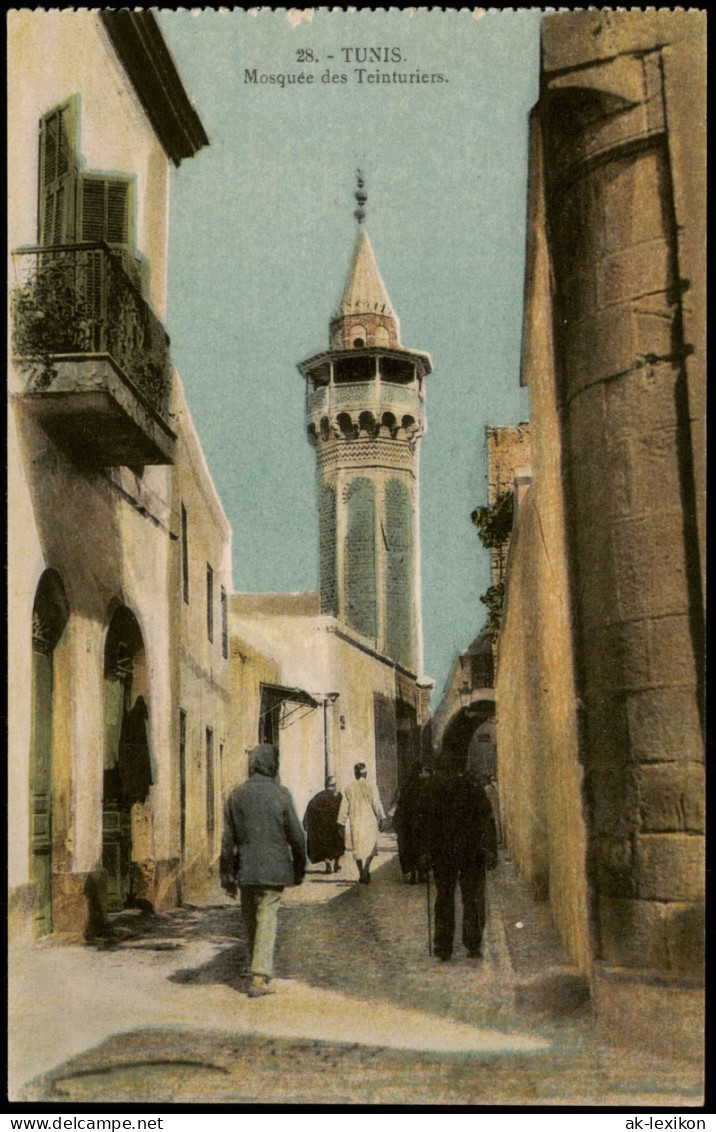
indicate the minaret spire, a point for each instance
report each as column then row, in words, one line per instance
column 361, row 197
column 365, row 415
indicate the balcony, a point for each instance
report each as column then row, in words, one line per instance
column 380, row 399
column 93, row 356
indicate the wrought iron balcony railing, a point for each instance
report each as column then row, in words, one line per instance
column 77, row 299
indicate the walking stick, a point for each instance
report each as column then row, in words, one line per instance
column 430, row 926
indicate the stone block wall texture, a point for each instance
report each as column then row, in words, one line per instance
column 360, row 568
column 509, row 454
column 624, row 201
column 399, row 573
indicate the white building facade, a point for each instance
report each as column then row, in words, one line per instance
column 103, row 463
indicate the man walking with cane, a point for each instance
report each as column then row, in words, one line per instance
column 462, row 845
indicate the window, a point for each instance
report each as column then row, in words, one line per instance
column 224, row 624
column 84, row 207
column 182, row 781
column 209, row 602
column 210, row 799
column 184, row 554
column 105, row 213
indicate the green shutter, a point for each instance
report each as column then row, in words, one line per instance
column 92, row 227
column 118, row 212
column 58, row 170
column 105, row 207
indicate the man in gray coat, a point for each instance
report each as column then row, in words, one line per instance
column 262, row 851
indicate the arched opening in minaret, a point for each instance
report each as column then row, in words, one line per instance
column 359, row 337
column 366, row 424
column 345, row 424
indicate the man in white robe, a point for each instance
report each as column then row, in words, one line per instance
column 362, row 808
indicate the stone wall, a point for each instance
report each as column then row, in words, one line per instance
column 600, row 661
column 626, row 399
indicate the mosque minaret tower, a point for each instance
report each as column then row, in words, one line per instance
column 365, row 415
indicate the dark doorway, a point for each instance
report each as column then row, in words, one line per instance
column 270, row 715
column 127, row 768
column 386, row 748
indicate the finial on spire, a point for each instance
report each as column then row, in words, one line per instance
column 361, row 197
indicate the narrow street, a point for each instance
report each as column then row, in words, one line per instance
column 362, row 1014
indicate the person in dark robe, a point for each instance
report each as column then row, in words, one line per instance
column 326, row 841
column 135, row 768
column 461, row 843
column 409, row 822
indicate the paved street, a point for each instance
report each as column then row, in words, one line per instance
column 362, row 1014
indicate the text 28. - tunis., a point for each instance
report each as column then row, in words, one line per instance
column 354, row 55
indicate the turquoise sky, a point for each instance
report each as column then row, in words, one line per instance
column 261, row 236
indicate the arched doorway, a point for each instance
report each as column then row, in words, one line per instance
column 49, row 617
column 127, row 852
column 461, row 731
column 469, row 743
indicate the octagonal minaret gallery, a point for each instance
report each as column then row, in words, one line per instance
column 365, row 415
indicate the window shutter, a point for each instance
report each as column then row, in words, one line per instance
column 58, row 148
column 48, row 219
column 49, row 157
column 105, row 210
column 92, row 228
column 117, row 212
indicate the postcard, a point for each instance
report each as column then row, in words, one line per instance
column 356, row 480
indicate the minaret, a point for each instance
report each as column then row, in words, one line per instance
column 365, row 414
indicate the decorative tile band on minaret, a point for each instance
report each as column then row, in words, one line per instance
column 365, row 415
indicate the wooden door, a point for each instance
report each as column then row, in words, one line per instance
column 41, row 790
column 116, row 853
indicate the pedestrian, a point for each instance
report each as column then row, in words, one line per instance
column 409, row 822
column 361, row 806
column 325, row 838
column 461, row 845
column 492, row 791
column 262, row 851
